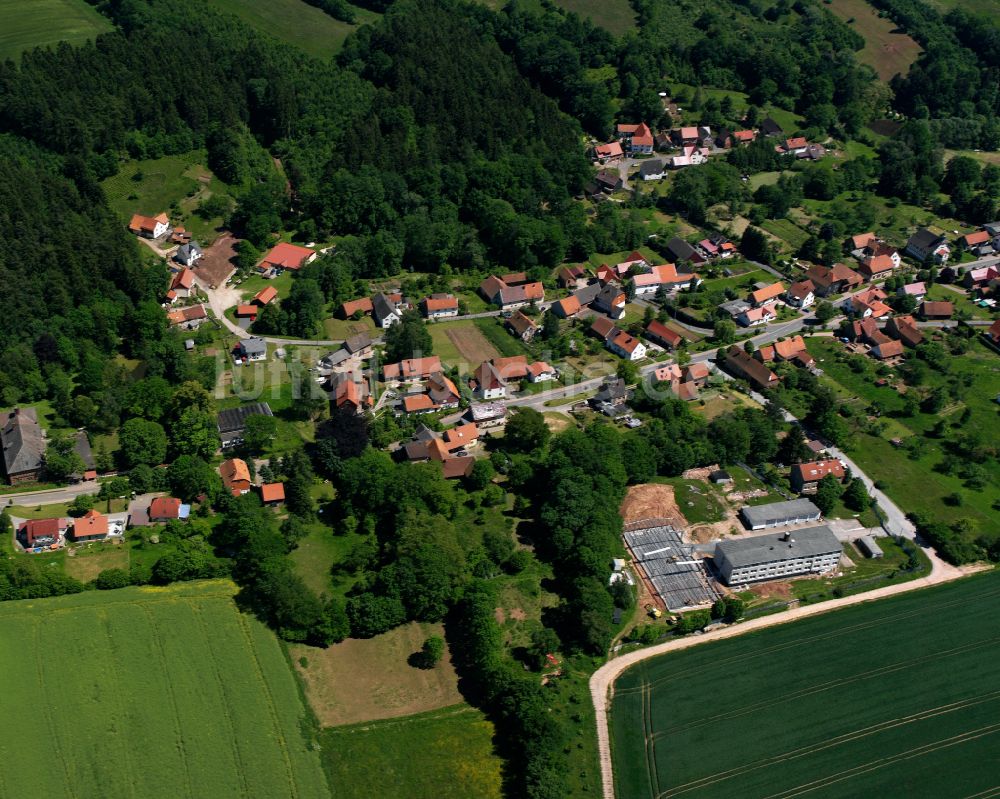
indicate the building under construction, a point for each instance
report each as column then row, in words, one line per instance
column 669, row 564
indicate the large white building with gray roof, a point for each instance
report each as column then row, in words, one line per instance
column 774, row 556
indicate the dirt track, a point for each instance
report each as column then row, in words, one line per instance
column 649, row 501
column 602, row 681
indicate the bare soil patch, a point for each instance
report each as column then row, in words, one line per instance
column 363, row 680
column 778, row 589
column 650, row 501
column 217, row 264
column 471, row 345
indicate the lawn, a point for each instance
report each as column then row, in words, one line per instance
column 445, row 753
column 154, row 185
column 826, row 706
column 89, row 560
column 43, row 23
column 918, row 483
column 696, row 499
column 296, row 22
column 339, row 329
column 317, row 553
column 887, row 50
column 361, row 680
column 497, row 335
column 963, row 305
column 61, row 509
column 152, row 692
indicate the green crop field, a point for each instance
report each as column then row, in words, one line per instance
column 892, row 698
column 151, row 692
column 446, row 753
column 43, row 23
column 296, row 22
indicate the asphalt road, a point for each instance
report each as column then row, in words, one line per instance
column 50, row 496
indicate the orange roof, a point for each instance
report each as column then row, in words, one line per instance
column 790, row 347
column 610, row 150
column 247, row 310
column 626, row 342
column 979, row 237
column 265, row 295
column 665, row 374
column 877, row 264
column 448, row 303
column 462, row 436
column 164, row 508
column 539, row 368
column 512, row 368
column 697, row 370
column 146, row 224
column 272, row 492
column 235, row 470
column 418, row 402
column 768, row 292
column 288, row 256
column 411, row 368
column 796, row 142
column 183, row 279
column 744, row 135
column 817, row 470
column 188, row 314
column 889, row 349
column 660, row 331
column 91, row 523
column 570, row 305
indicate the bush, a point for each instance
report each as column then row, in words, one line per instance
column 112, row 578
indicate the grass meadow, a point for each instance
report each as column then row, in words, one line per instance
column 296, row 22
column 887, row 50
column 44, row 23
column 445, row 753
column 915, row 483
column 152, row 692
column 897, row 697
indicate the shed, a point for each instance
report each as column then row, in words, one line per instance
column 869, row 547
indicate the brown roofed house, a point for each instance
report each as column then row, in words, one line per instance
column 236, row 476
column 905, row 329
column 272, row 493
column 930, row 309
column 352, row 307
column 744, row 365
column 663, row 335
column 522, row 326
column 805, row 477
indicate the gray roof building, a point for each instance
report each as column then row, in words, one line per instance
column 188, row 253
column 588, row 293
column 777, row 514
column 232, row 421
column 680, row 250
column 383, row 308
column 358, row 343
column 335, row 358
column 773, row 555
column 23, row 445
column 253, row 347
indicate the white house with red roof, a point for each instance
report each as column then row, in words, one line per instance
column 149, row 227
column 637, row 139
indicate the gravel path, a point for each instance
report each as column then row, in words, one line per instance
column 602, row 680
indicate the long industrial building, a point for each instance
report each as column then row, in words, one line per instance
column 777, row 514
column 812, row 550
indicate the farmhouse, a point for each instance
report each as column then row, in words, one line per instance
column 286, row 256
column 801, row 294
column 566, row 308
column 652, row 170
column 754, row 317
column 789, row 349
column 779, row 514
column 981, row 278
column 189, row 318
column 638, row 139
column 665, row 277
column 743, row 365
column 149, row 227
column 915, row 290
column 500, row 292
column 682, row 252
column 904, row 328
column 359, row 346
column 412, row 369
column 628, row 347
column 181, row 286
column 92, row 526
column 924, row 245
column 188, row 254
column 246, row 311
column 833, row 280
column 23, row 446
column 663, row 335
column 572, row 277
column 605, row 153
column 349, row 390
column 814, row 550
column 232, row 421
column 235, row 476
column 611, row 300
column 887, row 350
column 690, row 156
column 541, row 372
column 936, row 310
column 486, row 415
column 522, row 326
column 439, row 306
column 974, row 241
column 878, row 265
column 805, row 477
column 39, row 533
column 359, row 306
column 165, row 509
column 770, row 128
column 766, row 294
column 272, row 493
column 265, row 296
column 869, row 303
column 385, row 311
